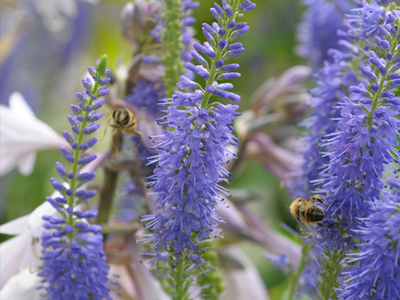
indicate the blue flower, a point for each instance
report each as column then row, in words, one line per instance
column 74, row 260
column 333, row 80
column 145, row 95
column 363, row 143
column 365, row 20
column 377, row 274
column 317, row 33
column 192, row 153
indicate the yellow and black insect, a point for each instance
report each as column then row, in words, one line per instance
column 305, row 210
column 123, row 121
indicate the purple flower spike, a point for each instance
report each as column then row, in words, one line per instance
column 191, row 152
column 352, row 155
column 74, row 262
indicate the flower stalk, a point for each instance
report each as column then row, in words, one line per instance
column 74, row 260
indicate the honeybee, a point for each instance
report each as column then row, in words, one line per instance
column 305, row 210
column 123, row 121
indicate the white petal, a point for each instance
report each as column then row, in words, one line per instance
column 246, row 283
column 150, row 287
column 7, row 164
column 19, row 106
column 22, row 286
column 11, row 253
column 25, row 165
column 16, row 226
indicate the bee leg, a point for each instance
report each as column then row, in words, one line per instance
column 139, row 141
column 329, row 226
column 116, row 142
column 137, row 134
column 326, row 203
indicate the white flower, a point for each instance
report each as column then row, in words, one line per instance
column 22, row 135
column 22, row 286
column 243, row 283
column 23, row 251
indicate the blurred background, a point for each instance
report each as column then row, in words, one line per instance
column 46, row 46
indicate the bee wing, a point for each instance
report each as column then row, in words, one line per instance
column 304, row 223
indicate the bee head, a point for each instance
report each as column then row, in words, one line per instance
column 121, row 116
column 318, row 198
column 295, row 207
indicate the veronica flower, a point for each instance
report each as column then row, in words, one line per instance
column 377, row 274
column 353, row 129
column 364, row 21
column 363, row 143
column 333, row 80
column 318, row 31
column 22, row 135
column 192, row 154
column 145, row 95
column 74, row 262
column 23, row 250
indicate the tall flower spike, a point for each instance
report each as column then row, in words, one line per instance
column 192, row 154
column 317, row 32
column 365, row 139
column 333, row 80
column 74, row 261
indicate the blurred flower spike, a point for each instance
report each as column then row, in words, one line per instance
column 22, row 135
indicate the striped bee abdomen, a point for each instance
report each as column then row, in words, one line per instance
column 314, row 214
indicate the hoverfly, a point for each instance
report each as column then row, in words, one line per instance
column 123, row 121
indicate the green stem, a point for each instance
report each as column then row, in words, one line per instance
column 180, row 292
column 295, row 279
column 72, row 183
